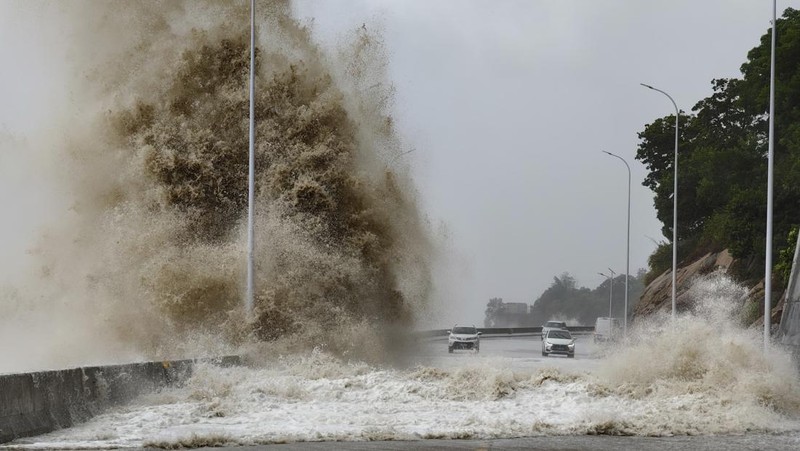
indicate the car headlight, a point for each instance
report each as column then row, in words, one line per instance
column 571, row 346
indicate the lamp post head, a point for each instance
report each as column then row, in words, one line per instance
column 647, row 86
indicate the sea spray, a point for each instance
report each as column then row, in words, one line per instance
column 705, row 363
column 641, row 390
column 148, row 261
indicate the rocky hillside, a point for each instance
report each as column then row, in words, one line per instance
column 657, row 296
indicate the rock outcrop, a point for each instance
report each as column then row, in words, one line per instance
column 658, row 294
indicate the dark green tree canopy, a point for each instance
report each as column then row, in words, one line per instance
column 564, row 299
column 722, row 161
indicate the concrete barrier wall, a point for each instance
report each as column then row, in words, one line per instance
column 36, row 403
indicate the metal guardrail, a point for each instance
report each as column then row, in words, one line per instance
column 499, row 331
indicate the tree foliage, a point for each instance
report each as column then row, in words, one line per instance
column 783, row 267
column 565, row 300
column 722, row 161
column 493, row 311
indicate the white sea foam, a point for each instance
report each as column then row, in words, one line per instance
column 688, row 378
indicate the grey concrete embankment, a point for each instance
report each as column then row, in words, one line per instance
column 36, row 403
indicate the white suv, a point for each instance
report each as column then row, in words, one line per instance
column 558, row 342
column 463, row 337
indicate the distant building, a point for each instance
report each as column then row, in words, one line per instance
column 515, row 308
column 506, row 314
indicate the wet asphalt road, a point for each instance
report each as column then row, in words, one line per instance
column 561, row 443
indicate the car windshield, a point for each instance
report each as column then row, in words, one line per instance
column 559, row 334
column 465, row 330
column 555, row 324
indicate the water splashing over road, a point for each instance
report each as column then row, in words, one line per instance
column 690, row 379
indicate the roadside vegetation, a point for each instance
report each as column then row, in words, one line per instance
column 565, row 300
column 722, row 162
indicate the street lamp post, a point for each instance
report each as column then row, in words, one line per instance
column 674, row 201
column 628, row 246
column 251, row 171
column 770, row 160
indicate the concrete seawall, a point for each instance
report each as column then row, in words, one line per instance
column 36, row 403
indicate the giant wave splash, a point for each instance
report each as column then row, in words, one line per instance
column 149, row 259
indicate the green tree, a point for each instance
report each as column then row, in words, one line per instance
column 563, row 299
column 783, row 267
column 722, row 156
column 493, row 309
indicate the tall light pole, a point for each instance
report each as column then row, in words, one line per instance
column 628, row 246
column 770, row 159
column 674, row 202
column 252, row 162
column 611, row 288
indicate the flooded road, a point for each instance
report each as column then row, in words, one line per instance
column 523, row 352
column 508, row 394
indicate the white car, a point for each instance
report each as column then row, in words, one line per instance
column 558, row 342
column 464, row 337
column 551, row 325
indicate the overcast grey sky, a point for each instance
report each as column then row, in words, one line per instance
column 508, row 105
